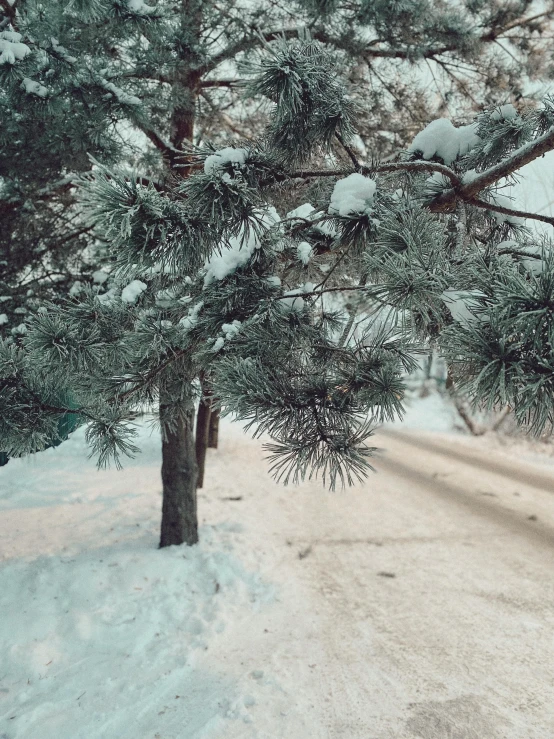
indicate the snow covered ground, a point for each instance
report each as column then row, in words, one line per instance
column 418, row 605
column 102, row 634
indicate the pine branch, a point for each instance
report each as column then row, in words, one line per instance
column 370, row 52
column 519, row 158
column 221, row 83
column 165, row 147
column 508, row 211
column 10, row 11
column 416, row 166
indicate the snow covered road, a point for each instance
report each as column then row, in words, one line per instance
column 418, row 605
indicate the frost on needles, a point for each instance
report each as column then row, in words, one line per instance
column 306, row 318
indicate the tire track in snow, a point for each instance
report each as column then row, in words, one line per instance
column 422, row 470
column 521, row 473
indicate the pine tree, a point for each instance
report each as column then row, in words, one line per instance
column 207, row 278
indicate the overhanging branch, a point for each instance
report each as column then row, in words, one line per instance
column 508, row 211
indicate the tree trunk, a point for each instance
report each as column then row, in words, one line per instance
column 202, row 434
column 213, row 434
column 179, row 472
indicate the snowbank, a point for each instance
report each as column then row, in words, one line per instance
column 102, row 635
column 99, row 643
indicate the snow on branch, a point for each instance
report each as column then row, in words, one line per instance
column 120, row 95
column 519, row 158
column 460, row 190
column 11, row 48
column 441, row 138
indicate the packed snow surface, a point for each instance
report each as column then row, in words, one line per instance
column 351, row 195
column 101, row 633
column 442, row 139
column 416, row 605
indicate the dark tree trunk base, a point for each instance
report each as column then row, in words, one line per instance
column 179, row 472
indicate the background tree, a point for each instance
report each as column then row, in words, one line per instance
column 132, row 67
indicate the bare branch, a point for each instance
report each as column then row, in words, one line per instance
column 349, row 151
column 508, row 211
column 419, row 166
column 223, row 117
column 170, row 152
column 10, row 12
column 250, row 41
column 415, row 166
column 221, row 83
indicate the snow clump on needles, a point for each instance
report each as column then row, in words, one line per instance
column 351, row 195
column 11, row 48
column 239, row 249
column 442, row 139
column 217, row 161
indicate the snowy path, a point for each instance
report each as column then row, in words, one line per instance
column 418, row 605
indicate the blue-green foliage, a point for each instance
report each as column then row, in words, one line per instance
column 305, row 324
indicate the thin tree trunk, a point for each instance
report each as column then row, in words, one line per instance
column 504, row 413
column 179, row 472
column 202, row 434
column 213, row 434
column 474, row 428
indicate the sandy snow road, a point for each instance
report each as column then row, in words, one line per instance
column 423, row 602
column 420, row 604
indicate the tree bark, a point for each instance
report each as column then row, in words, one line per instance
column 213, row 434
column 202, row 433
column 179, row 466
column 179, row 473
